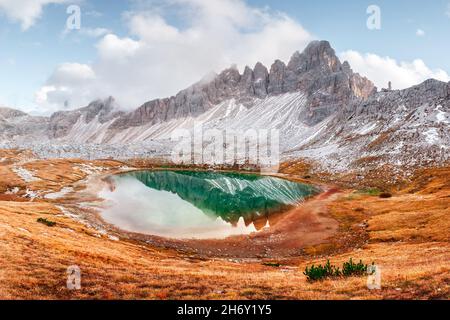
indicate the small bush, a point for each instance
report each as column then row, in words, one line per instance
column 352, row 269
column 315, row 273
column 48, row 223
column 272, row 264
column 385, row 195
column 321, row 272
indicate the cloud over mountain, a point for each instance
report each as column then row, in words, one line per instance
column 158, row 58
column 383, row 69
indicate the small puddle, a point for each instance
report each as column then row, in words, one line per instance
column 197, row 205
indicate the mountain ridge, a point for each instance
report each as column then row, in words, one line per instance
column 316, row 102
column 257, row 82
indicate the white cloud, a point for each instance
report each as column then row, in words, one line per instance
column 157, row 58
column 112, row 48
column 420, row 33
column 94, row 32
column 72, row 73
column 88, row 32
column 26, row 12
column 381, row 70
column 69, row 79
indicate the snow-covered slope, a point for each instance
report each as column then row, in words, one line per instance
column 323, row 111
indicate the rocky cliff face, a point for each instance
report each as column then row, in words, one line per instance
column 317, row 72
column 16, row 125
column 8, row 113
column 408, row 128
column 62, row 122
column 322, row 109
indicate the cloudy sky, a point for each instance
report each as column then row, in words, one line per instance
column 137, row 50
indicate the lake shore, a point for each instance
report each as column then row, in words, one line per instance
column 406, row 235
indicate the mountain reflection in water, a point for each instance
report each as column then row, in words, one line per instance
column 188, row 204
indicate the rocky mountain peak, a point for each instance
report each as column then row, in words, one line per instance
column 318, row 54
column 277, row 77
column 315, row 101
column 228, row 80
column 247, row 81
column 104, row 110
column 230, row 76
column 316, row 72
column 260, row 80
column 346, row 68
column 7, row 113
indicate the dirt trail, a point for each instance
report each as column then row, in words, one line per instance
column 308, row 224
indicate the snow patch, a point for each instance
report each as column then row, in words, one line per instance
column 30, row 194
column 441, row 116
column 14, row 190
column 367, row 128
column 113, row 238
column 432, row 136
column 24, row 174
column 59, row 194
column 90, row 169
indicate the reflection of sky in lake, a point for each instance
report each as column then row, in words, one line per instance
column 132, row 206
column 198, row 205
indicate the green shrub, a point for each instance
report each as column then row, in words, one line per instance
column 315, row 273
column 321, row 272
column 351, row 269
column 48, row 223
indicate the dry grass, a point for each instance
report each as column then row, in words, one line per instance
column 407, row 236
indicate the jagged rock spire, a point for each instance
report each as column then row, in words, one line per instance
column 316, row 69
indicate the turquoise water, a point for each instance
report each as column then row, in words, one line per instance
column 188, row 204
